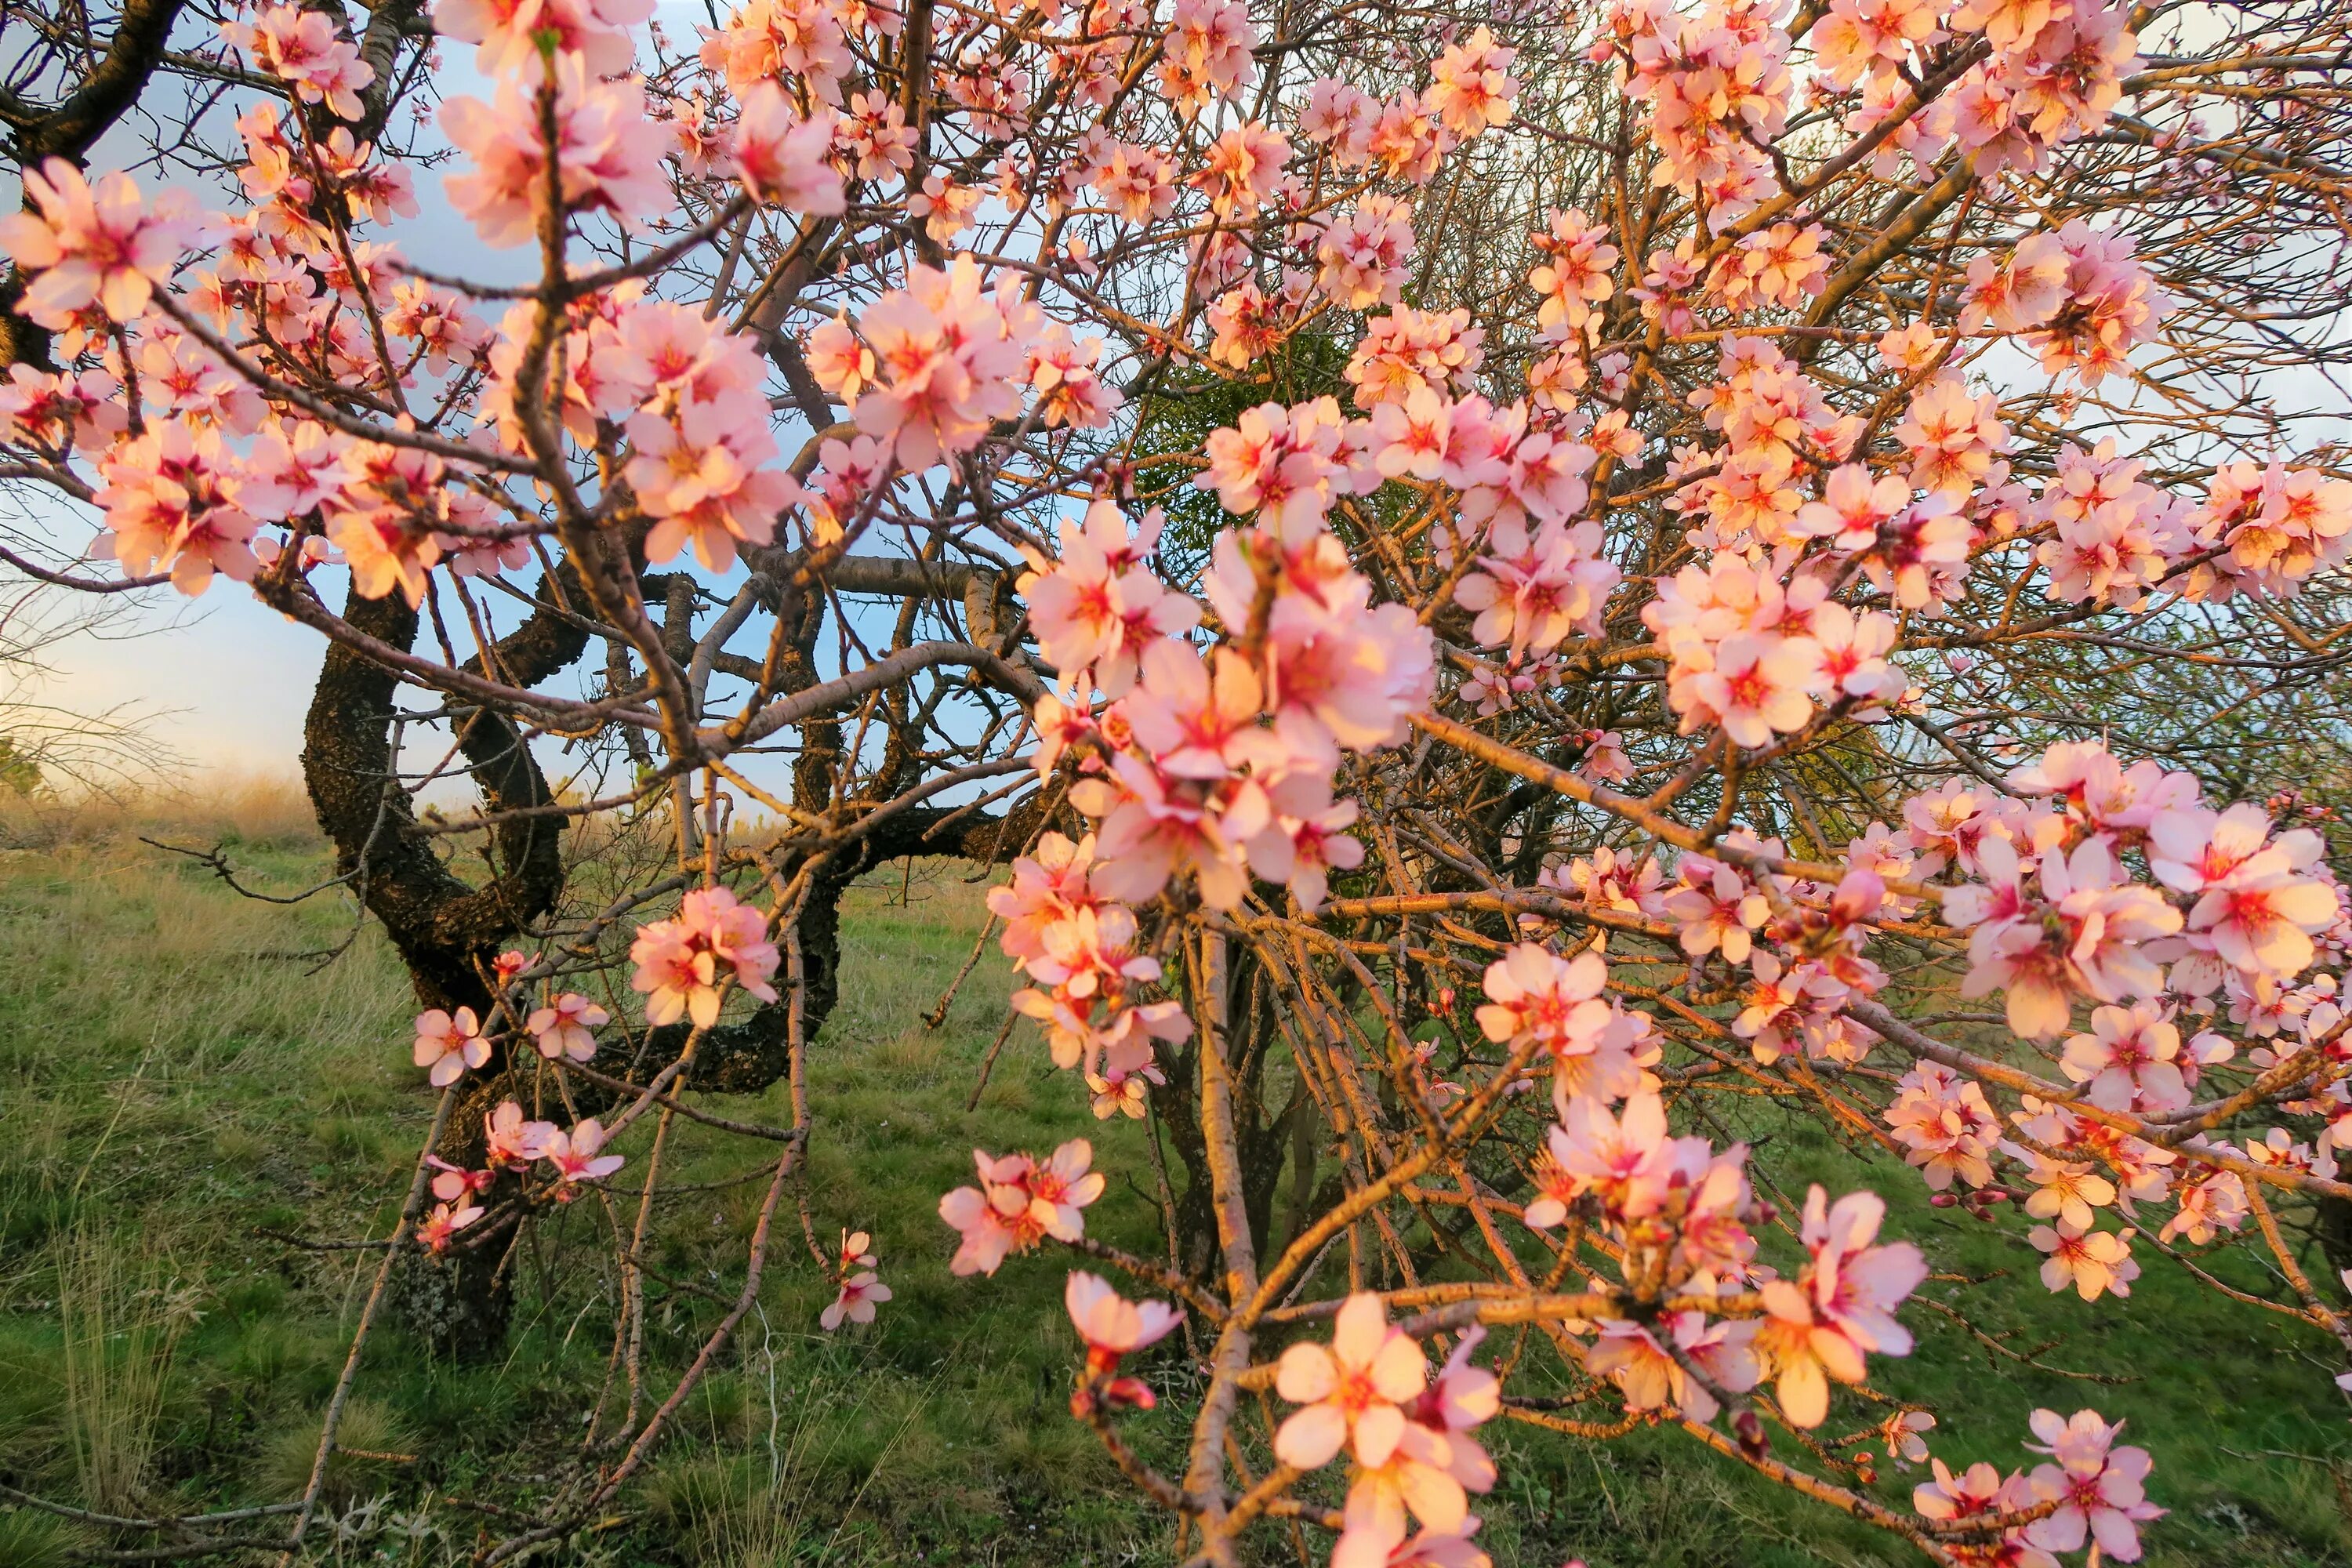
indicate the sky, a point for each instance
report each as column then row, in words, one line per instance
column 224, row 687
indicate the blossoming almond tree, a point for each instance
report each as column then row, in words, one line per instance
column 1508, row 587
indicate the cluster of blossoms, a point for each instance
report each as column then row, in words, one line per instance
column 675, row 396
column 1217, row 765
column 1212, row 765
column 1802, row 940
column 1079, row 948
column 2077, row 296
column 1021, row 1201
column 2056, row 914
column 1750, row 653
column 858, row 1289
column 1596, row 1045
column 1758, row 643
column 2089, row 1494
column 512, row 1143
column 929, row 368
column 2232, row 912
column 2087, row 881
column 1683, row 1214
column 449, row 1044
column 1406, row 1434
column 684, row 963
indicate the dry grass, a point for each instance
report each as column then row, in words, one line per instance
column 124, row 1312
column 371, row 1442
column 198, row 810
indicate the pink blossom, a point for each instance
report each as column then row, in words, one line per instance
column 2213, row 1202
column 607, row 154
column 2095, row 1262
column 946, row 362
column 1756, row 688
column 1113, row 1327
column 860, row 1288
column 698, row 471
column 990, row 1232
column 1854, row 507
column 449, row 1043
column 784, row 159
column 1206, row 53
column 565, row 1027
column 1098, row 607
column 509, row 31
column 1156, row 825
column 2099, row 791
column 169, row 506
column 2099, row 1486
column 1717, row 907
column 854, row 1302
column 1065, row 374
column 83, row 412
column 1047, row 887
column 99, row 244
column 1352, row 1390
column 684, row 963
column 2082, row 935
column 1019, row 1202
column 1627, row 1163
column 1820, row 1326
column 875, row 134
column 1533, row 588
column 452, row 1182
column 1363, row 254
column 1953, row 435
column 1876, row 37
column 1470, row 89
column 439, row 1228
column 2064, row 1190
column 1241, row 169
column 2127, row 1061
column 1630, row 1356
column 292, row 470
column 511, row 1143
column 1126, row 1092
column 2258, row 903
column 1536, row 995
column 300, row 47
column 1407, row 350
column 1306, row 840
column 2279, row 525
column 574, row 1156
column 767, row 38
column 1060, row 1187
column 1976, row 1493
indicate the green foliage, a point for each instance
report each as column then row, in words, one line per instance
column 19, row 771
column 1176, row 420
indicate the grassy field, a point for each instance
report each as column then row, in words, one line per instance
column 175, row 1082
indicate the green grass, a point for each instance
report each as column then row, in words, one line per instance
column 172, row 1078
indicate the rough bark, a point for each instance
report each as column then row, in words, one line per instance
column 1261, row 1143
column 444, row 927
column 446, row 930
